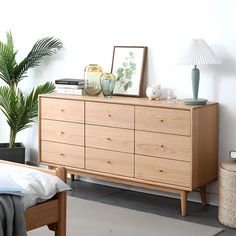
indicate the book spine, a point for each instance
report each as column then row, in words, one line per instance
column 69, row 82
column 70, row 91
column 69, row 86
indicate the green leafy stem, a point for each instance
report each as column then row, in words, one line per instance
column 124, row 74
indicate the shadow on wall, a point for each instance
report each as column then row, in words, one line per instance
column 150, row 76
column 224, row 71
column 227, row 126
column 33, row 160
column 224, row 94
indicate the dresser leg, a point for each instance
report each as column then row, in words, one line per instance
column 183, row 203
column 203, row 195
column 72, row 177
column 50, row 167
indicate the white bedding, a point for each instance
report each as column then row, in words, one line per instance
column 36, row 186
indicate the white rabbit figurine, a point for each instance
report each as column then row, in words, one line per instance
column 153, row 92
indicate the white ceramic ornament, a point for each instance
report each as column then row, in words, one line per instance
column 153, row 92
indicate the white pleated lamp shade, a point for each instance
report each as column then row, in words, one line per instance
column 197, row 52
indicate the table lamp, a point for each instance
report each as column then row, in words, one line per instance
column 197, row 53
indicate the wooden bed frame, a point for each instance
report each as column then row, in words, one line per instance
column 52, row 212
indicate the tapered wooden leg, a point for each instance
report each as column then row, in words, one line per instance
column 50, row 167
column 203, row 195
column 72, row 177
column 183, row 203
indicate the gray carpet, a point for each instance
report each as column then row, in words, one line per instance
column 90, row 218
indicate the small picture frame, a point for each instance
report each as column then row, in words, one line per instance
column 128, row 65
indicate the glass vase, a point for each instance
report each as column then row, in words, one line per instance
column 92, row 74
column 108, row 81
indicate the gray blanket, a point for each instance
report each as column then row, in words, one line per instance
column 12, row 220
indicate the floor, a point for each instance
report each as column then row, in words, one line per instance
column 164, row 206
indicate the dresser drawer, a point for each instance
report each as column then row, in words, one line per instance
column 110, row 138
column 62, row 132
column 110, row 162
column 162, row 170
column 61, row 109
column 163, row 145
column 162, row 120
column 62, row 154
column 121, row 116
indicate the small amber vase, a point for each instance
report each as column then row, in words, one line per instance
column 108, row 81
column 92, row 74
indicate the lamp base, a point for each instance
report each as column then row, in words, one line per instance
column 192, row 101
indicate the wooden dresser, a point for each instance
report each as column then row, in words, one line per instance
column 153, row 144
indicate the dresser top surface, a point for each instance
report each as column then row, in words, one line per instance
column 179, row 104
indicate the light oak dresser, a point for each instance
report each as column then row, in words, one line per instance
column 164, row 146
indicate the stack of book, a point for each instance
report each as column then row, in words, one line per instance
column 70, row 86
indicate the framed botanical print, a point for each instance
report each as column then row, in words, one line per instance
column 128, row 65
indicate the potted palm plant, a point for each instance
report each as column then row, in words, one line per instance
column 19, row 109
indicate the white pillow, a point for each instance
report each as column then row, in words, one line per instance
column 36, row 186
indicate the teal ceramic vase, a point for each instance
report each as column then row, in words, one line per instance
column 107, row 81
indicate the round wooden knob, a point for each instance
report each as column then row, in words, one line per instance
column 109, row 139
column 62, row 110
column 62, row 154
column 62, row 132
column 108, row 162
column 162, row 121
column 161, row 171
column 109, row 115
column 162, row 146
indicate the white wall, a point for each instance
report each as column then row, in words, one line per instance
column 90, row 28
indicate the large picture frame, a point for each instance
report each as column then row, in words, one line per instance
column 128, row 63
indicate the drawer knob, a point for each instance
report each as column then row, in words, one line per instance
column 109, row 115
column 62, row 110
column 62, row 132
column 162, row 121
column 109, row 139
column 162, row 146
column 161, row 171
column 108, row 162
column 62, row 154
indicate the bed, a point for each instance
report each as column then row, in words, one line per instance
column 51, row 212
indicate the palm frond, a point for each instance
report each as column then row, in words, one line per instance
column 4, row 73
column 20, row 111
column 10, row 41
column 31, row 101
column 9, row 104
column 7, row 60
column 43, row 47
column 46, row 46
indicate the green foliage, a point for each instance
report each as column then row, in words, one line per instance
column 18, row 109
column 124, row 74
column 128, row 85
column 119, row 74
